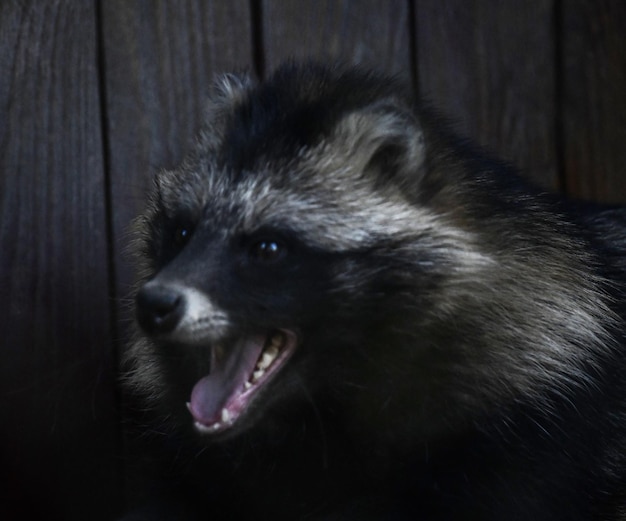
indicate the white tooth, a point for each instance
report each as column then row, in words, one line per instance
column 207, row 428
column 225, row 417
column 257, row 374
column 272, row 351
column 247, row 385
column 266, row 360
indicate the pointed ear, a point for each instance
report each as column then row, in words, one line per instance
column 227, row 91
column 231, row 88
column 384, row 140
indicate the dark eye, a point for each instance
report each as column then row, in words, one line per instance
column 182, row 234
column 268, row 251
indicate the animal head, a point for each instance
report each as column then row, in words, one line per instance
column 318, row 239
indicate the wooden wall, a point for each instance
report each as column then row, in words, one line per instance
column 97, row 95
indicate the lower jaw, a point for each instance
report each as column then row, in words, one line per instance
column 224, row 425
column 234, row 413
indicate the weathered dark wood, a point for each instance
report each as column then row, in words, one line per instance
column 372, row 32
column 594, row 93
column 57, row 383
column 491, row 67
column 160, row 59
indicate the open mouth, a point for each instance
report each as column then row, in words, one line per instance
column 219, row 399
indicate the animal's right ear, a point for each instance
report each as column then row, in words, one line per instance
column 231, row 88
column 384, row 139
column 228, row 91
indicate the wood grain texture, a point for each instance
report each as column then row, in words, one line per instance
column 160, row 59
column 57, row 385
column 372, row 32
column 594, row 97
column 490, row 66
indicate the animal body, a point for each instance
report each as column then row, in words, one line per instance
column 349, row 313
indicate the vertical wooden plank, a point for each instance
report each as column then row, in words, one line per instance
column 594, row 99
column 373, row 32
column 490, row 66
column 57, row 386
column 161, row 58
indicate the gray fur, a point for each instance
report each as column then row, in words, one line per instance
column 518, row 310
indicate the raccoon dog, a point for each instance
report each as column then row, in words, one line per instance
column 348, row 313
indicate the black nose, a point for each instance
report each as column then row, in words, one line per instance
column 159, row 308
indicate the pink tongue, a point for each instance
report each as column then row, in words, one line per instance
column 226, row 380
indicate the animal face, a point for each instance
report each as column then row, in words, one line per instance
column 245, row 268
column 332, row 273
column 324, row 232
column 264, row 248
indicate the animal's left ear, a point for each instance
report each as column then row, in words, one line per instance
column 384, row 139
